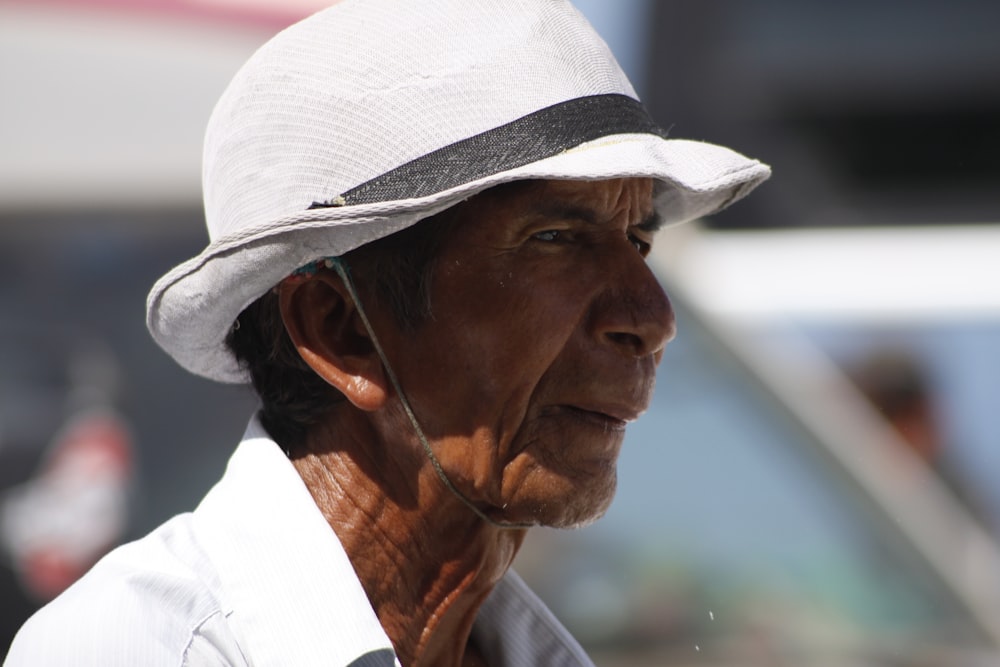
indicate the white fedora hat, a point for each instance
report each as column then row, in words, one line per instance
column 374, row 114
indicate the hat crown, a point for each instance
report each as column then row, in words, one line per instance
column 368, row 85
column 384, row 112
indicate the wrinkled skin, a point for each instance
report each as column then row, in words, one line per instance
column 546, row 329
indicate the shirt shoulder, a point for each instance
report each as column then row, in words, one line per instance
column 152, row 602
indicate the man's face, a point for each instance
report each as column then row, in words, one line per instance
column 546, row 329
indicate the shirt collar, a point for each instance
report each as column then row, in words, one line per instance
column 289, row 589
column 291, row 593
column 515, row 628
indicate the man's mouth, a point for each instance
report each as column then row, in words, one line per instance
column 608, row 417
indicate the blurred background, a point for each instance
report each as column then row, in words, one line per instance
column 815, row 483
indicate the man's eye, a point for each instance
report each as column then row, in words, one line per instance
column 642, row 246
column 548, row 235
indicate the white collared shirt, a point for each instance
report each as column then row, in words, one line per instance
column 255, row 576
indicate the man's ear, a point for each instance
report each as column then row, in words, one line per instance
column 323, row 323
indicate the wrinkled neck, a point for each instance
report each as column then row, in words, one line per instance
column 425, row 562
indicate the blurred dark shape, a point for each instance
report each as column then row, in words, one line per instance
column 903, row 392
column 900, row 390
column 66, row 457
column 58, row 523
column 870, row 111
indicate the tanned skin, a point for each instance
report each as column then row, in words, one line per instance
column 546, row 328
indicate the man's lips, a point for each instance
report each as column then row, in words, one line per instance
column 610, row 416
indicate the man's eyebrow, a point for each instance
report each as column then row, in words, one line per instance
column 652, row 222
column 564, row 211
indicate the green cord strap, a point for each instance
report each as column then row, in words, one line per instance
column 340, row 267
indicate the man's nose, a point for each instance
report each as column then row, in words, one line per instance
column 635, row 315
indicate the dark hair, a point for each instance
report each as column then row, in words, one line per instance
column 293, row 397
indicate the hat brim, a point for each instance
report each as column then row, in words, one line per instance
column 191, row 309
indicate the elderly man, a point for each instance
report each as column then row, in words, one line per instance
column 429, row 223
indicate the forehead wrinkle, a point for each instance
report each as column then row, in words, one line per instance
column 628, row 197
column 568, row 211
column 609, row 201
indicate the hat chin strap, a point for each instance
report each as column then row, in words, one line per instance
column 340, row 267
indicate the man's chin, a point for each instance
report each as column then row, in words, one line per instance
column 577, row 511
column 573, row 525
column 580, row 520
